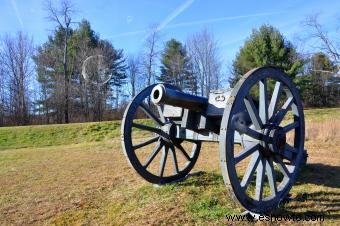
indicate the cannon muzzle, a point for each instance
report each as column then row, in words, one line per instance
column 171, row 96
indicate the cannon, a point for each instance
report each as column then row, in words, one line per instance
column 259, row 125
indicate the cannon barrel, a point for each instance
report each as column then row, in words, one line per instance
column 171, row 96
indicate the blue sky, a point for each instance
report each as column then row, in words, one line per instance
column 125, row 22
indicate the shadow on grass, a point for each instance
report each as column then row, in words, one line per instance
column 320, row 174
column 321, row 203
column 325, row 203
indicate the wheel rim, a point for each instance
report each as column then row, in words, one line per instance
column 160, row 157
column 271, row 127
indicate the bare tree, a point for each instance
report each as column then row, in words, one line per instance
column 16, row 54
column 2, row 92
column 150, row 54
column 203, row 51
column 133, row 71
column 62, row 17
column 328, row 45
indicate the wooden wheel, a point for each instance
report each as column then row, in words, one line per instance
column 265, row 113
column 150, row 144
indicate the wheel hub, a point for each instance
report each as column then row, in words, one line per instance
column 276, row 142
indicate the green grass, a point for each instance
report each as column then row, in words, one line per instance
column 203, row 199
column 207, row 198
column 79, row 176
column 63, row 134
column 51, row 135
column 58, row 134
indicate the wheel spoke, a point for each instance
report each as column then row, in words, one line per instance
column 247, row 138
column 283, row 111
column 150, row 114
column 253, row 113
column 174, row 159
column 290, row 168
column 282, row 166
column 255, row 158
column 274, row 100
column 147, row 142
column 271, row 176
column 148, row 128
column 246, row 152
column 260, row 173
column 252, row 133
column 151, row 129
column 291, row 126
column 180, row 147
column 153, row 154
column 163, row 161
column 263, row 98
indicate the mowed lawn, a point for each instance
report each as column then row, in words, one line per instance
column 77, row 174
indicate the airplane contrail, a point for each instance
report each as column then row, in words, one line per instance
column 15, row 8
column 129, row 33
column 164, row 24
column 219, row 19
column 174, row 14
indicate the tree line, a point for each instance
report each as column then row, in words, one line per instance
column 47, row 84
column 316, row 75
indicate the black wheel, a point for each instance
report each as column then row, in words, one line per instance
column 150, row 144
column 262, row 139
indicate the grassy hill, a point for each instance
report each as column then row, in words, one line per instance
column 76, row 174
column 51, row 135
column 62, row 134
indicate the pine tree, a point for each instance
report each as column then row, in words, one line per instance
column 266, row 47
column 176, row 67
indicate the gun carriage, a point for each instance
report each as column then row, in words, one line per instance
column 259, row 126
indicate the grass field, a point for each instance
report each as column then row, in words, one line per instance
column 77, row 174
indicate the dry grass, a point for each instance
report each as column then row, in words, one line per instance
column 323, row 131
column 92, row 184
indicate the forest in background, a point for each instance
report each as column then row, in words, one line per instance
column 62, row 94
